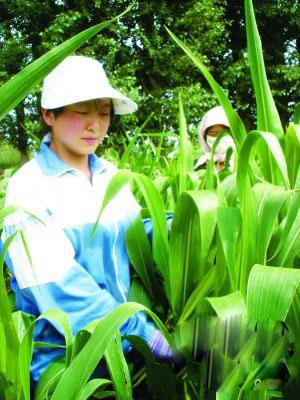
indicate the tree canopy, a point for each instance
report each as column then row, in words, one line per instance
column 142, row 61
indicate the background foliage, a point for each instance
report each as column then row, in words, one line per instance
column 142, row 61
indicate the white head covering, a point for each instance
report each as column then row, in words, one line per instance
column 77, row 79
column 215, row 116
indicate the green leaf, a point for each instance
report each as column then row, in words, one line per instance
column 289, row 245
column 93, row 386
column 229, row 188
column 192, row 232
column 270, row 199
column 22, row 322
column 139, row 294
column 139, row 252
column 49, row 379
column 271, row 291
column 276, row 151
column 12, row 92
column 292, row 152
column 57, row 316
column 118, row 368
column 3, row 385
column 185, row 162
column 118, row 181
column 125, row 157
column 244, row 363
column 296, row 118
column 25, row 355
column 248, row 255
column 267, row 116
column 26, row 346
column 211, row 177
column 266, row 366
column 237, row 127
column 229, row 227
column 225, row 307
column 160, row 378
column 7, row 327
column 204, row 287
column 155, row 206
column 161, row 382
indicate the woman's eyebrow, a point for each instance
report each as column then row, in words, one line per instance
column 105, row 105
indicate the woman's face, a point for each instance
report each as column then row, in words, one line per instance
column 79, row 129
column 215, row 130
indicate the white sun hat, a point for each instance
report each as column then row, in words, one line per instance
column 77, row 79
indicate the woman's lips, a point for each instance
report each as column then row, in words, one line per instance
column 90, row 140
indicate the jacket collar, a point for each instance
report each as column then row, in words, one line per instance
column 52, row 165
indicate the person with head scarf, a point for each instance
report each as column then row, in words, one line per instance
column 212, row 123
column 59, row 194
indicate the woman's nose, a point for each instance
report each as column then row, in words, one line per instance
column 94, row 122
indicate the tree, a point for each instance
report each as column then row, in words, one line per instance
column 142, row 60
column 21, row 24
column 278, row 25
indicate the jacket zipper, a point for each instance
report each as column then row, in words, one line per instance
column 115, row 263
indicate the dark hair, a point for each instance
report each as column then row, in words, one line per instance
column 57, row 111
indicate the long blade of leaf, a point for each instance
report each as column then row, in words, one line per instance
column 192, row 232
column 237, row 127
column 12, row 92
column 248, row 250
column 267, row 115
column 270, row 199
column 49, row 379
column 118, row 368
column 229, row 226
column 289, row 245
column 7, row 326
column 125, row 157
column 292, row 151
column 184, row 158
column 203, row 289
column 139, row 252
column 93, row 386
column 156, row 209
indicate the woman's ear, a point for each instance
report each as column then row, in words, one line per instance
column 48, row 116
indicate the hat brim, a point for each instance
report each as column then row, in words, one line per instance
column 122, row 104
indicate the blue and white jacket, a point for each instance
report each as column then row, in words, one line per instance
column 85, row 279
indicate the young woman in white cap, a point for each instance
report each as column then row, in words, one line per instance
column 212, row 123
column 64, row 186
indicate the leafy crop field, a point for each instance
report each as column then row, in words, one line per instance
column 221, row 282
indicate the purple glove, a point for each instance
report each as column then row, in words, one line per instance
column 160, row 347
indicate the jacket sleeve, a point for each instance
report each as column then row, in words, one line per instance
column 48, row 276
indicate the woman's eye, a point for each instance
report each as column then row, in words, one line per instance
column 80, row 112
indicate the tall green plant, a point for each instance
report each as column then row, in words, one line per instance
column 267, row 115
